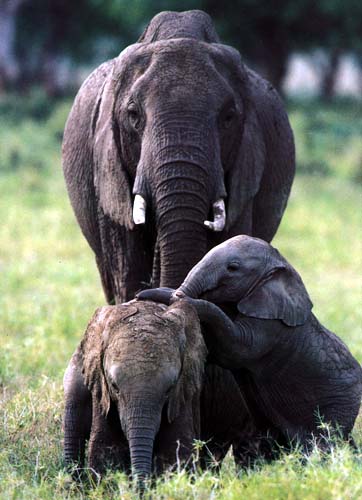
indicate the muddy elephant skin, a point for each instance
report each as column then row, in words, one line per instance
column 136, row 387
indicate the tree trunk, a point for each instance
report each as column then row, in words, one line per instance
column 50, row 74
column 9, row 67
column 272, row 54
column 330, row 75
column 275, row 63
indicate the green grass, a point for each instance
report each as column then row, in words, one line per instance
column 50, row 287
column 328, row 138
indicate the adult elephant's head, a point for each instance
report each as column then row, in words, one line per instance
column 167, row 137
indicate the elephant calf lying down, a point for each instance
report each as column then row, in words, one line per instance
column 136, row 388
column 258, row 323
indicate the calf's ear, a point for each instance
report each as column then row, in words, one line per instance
column 280, row 294
column 91, row 349
column 110, row 177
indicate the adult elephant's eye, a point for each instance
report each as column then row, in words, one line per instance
column 134, row 116
column 228, row 117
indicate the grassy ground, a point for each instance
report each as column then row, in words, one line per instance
column 50, row 287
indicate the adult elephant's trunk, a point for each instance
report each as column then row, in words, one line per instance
column 182, row 177
column 182, row 205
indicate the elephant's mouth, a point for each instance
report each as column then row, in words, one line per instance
column 213, row 294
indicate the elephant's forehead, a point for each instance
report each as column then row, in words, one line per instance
column 242, row 246
column 140, row 345
column 170, row 25
column 142, row 334
column 181, row 61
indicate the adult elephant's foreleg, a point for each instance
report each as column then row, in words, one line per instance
column 126, row 260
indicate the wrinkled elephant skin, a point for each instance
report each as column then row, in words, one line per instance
column 171, row 148
column 258, row 322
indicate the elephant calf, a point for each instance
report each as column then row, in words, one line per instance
column 137, row 389
column 258, row 322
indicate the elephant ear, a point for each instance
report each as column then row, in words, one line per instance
column 245, row 174
column 194, row 352
column 244, row 165
column 280, row 294
column 260, row 166
column 91, row 349
column 111, row 179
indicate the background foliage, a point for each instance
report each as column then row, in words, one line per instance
column 38, row 38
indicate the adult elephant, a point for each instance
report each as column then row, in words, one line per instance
column 180, row 123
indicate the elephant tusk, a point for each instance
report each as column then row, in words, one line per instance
column 218, row 223
column 139, row 209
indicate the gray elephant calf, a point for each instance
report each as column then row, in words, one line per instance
column 137, row 389
column 291, row 369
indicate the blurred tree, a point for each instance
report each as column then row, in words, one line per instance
column 86, row 31
column 267, row 32
column 9, row 69
column 50, row 31
column 337, row 28
column 93, row 30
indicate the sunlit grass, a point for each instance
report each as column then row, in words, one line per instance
column 50, row 287
column 321, row 235
column 328, row 137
